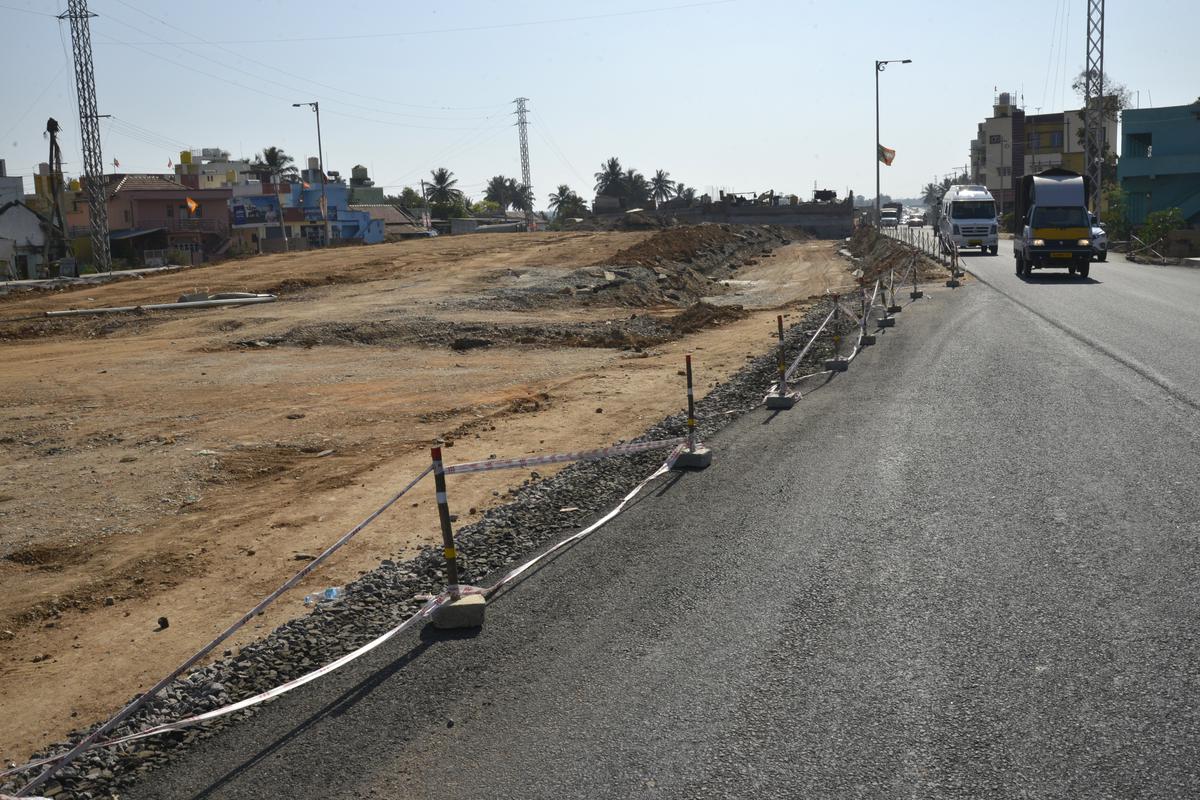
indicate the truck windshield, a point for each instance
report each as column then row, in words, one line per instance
column 975, row 209
column 1060, row 217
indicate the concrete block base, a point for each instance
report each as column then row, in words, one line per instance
column 465, row 612
column 887, row 322
column 777, row 402
column 699, row 458
column 868, row 338
column 895, row 309
column 916, row 294
column 837, row 364
column 953, row 283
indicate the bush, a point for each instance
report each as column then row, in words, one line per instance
column 1160, row 223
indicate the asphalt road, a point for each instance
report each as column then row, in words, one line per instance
column 965, row 568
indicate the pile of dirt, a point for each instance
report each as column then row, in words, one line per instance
column 684, row 244
column 635, row 332
column 877, row 254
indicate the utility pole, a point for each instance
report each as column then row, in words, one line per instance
column 316, row 106
column 89, row 131
column 1094, row 112
column 523, row 136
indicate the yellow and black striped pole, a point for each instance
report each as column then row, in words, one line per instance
column 448, row 550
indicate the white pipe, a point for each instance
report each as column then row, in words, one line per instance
column 239, row 301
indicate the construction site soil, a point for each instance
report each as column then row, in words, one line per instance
column 181, row 464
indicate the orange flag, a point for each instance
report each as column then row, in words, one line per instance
column 192, row 205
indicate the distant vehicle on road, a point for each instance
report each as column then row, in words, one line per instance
column 915, row 222
column 1099, row 240
column 1054, row 227
column 889, row 215
column 968, row 219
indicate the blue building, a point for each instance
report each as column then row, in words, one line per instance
column 1160, row 161
column 345, row 223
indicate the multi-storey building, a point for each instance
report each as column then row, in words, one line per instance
column 1160, row 161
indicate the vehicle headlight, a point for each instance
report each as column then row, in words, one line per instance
column 1085, row 242
column 1039, row 242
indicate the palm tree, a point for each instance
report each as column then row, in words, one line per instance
column 442, row 190
column 565, row 202
column 661, row 186
column 522, row 197
column 637, row 188
column 610, row 178
column 932, row 194
column 685, row 192
column 499, row 191
column 275, row 163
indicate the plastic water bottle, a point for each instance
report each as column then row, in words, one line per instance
column 332, row 593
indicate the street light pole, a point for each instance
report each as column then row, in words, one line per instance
column 879, row 67
column 316, row 107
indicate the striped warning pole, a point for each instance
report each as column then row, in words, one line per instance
column 691, row 420
column 448, row 550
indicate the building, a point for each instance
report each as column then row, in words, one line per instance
column 397, row 223
column 1011, row 143
column 12, row 188
column 22, row 241
column 210, row 168
column 342, row 222
column 363, row 190
column 1160, row 161
column 150, row 216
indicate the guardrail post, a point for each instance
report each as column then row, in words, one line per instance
column 916, row 293
column 695, row 457
column 462, row 611
column 781, row 398
column 954, row 273
column 893, row 308
column 837, row 363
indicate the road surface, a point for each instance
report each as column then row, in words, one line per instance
column 965, row 568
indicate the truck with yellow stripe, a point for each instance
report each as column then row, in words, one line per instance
column 1053, row 226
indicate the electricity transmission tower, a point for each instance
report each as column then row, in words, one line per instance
column 523, row 133
column 1094, row 111
column 89, row 130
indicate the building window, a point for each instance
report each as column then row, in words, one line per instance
column 1140, row 145
column 995, row 138
column 1033, row 141
column 1056, row 139
column 170, row 211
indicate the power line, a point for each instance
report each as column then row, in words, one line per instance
column 470, row 29
column 307, row 81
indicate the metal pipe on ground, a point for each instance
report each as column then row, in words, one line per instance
column 238, row 301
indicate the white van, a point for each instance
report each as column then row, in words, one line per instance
column 968, row 219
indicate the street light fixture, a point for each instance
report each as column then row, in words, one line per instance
column 880, row 66
column 316, row 107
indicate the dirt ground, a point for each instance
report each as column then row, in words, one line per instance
column 182, row 464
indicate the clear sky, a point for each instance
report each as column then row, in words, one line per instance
column 746, row 95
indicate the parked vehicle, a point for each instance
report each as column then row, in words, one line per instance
column 968, row 219
column 1054, row 227
column 1099, row 240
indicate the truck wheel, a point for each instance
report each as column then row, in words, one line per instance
column 1020, row 267
column 1084, row 269
column 1103, row 256
column 1071, row 270
column 994, row 249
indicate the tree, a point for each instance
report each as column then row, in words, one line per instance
column 661, row 186
column 522, row 197
column 485, row 207
column 442, row 191
column 637, row 188
column 931, row 195
column 686, row 193
column 566, row 203
column 275, row 163
column 1116, row 213
column 609, row 180
column 499, row 190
